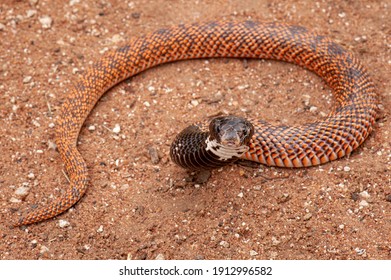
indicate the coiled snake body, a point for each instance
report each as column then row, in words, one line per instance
column 346, row 127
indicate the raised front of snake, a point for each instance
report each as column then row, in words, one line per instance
column 226, row 139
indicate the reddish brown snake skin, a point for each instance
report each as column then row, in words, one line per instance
column 335, row 136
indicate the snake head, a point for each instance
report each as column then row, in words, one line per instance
column 231, row 131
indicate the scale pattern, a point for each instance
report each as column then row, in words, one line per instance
column 347, row 126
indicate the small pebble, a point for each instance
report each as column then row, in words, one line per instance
column 160, row 257
column 63, row 223
column 224, row 244
column 27, row 79
column 31, row 175
column 116, row 128
column 43, row 249
column 100, row 229
column 365, row 194
column 91, row 127
column 31, row 13
column 346, row 169
column 15, row 200
column 363, row 203
column 153, row 155
column 307, row 216
column 240, row 195
column 313, row 109
column 253, row 253
column 275, row 241
column 46, row 22
column 22, row 192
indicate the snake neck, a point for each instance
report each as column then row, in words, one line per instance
column 192, row 149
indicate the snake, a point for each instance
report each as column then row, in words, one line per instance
column 225, row 138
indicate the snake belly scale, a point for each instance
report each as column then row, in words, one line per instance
column 335, row 136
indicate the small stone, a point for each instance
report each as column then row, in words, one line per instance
column 63, row 223
column 100, row 229
column 313, row 109
column 31, row 13
column 22, row 192
column 43, row 249
column 365, row 194
column 275, row 241
column 73, row 2
column 363, row 203
column 151, row 89
column 224, row 244
column 15, row 200
column 91, row 127
column 27, row 79
column 240, row 194
column 341, row 226
column 147, row 104
column 342, row 15
column 346, row 169
column 307, row 216
column 154, row 155
column 194, row 102
column 202, row 176
column 31, row 175
column 46, row 22
column 253, row 253
column 117, row 129
column 160, row 257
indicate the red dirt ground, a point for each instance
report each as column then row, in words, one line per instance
column 136, row 209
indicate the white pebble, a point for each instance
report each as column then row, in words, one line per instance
column 116, row 128
column 194, row 102
column 44, row 249
column 27, row 79
column 253, row 253
column 224, row 244
column 73, row 2
column 22, row 191
column 342, row 15
column 46, row 22
column 91, row 127
column 365, row 194
column 313, row 109
column 240, row 194
column 31, row 13
column 31, row 175
column 151, row 89
column 15, row 200
column 63, row 223
column 160, row 257
column 147, row 104
column 363, row 203
column 100, row 229
column 346, row 169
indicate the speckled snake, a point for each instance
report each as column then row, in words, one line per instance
column 335, row 136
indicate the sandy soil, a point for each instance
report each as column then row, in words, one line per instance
column 136, row 209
